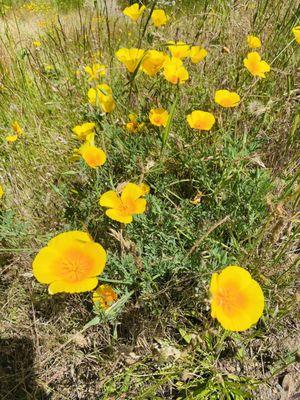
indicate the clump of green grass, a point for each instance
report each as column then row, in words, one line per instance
column 160, row 341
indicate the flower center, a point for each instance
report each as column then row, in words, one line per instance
column 231, row 300
column 75, row 266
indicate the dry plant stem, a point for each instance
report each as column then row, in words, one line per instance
column 201, row 238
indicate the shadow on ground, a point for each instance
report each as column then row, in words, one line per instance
column 17, row 377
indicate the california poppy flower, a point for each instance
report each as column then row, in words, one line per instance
column 179, row 49
column 102, row 97
column 237, row 300
column 105, row 296
column 70, row 263
column 95, row 72
column 197, row 54
column 131, row 58
column 133, row 125
column 296, row 32
column 122, row 207
column 159, row 18
column 227, row 99
column 175, row 72
column 92, row 155
column 201, row 120
column 159, row 117
column 83, row 130
column 134, row 12
column 255, row 65
column 153, row 61
column 253, row 42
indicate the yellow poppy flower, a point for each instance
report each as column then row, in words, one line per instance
column 237, row 300
column 92, row 155
column 255, row 65
column 11, row 138
column 159, row 18
column 70, row 263
column 153, row 61
column 179, row 49
column 1, row 191
column 101, row 96
column 122, row 208
column 16, row 128
column 145, row 188
column 95, row 71
column 296, row 32
column 82, row 131
column 105, row 296
column 175, row 72
column 158, row 117
column 131, row 58
column 197, row 54
column 201, row 120
column 253, row 42
column 227, row 99
column 133, row 125
column 134, row 12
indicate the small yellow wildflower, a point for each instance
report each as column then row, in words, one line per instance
column 37, row 44
column 1, row 191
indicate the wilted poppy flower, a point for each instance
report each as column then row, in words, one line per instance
column 153, row 61
column 296, row 32
column 253, row 42
column 95, row 71
column 134, row 12
column 159, row 116
column 131, row 58
column 226, row 98
column 1, row 191
column 175, row 72
column 70, row 263
column 237, row 300
column 92, row 155
column 82, row 131
column 255, row 65
column 122, row 208
column 201, row 120
column 133, row 125
column 197, row 54
column 159, row 18
column 179, row 49
column 101, row 96
column 105, row 296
